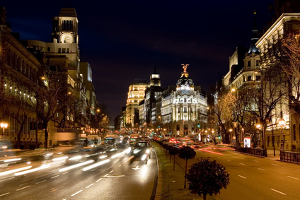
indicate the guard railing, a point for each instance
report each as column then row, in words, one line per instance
column 252, row 151
column 293, row 157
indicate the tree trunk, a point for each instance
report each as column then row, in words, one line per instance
column 19, row 140
column 185, row 173
column 170, row 157
column 204, row 196
column 174, row 163
column 46, row 134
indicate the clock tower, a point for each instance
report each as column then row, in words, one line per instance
column 65, row 26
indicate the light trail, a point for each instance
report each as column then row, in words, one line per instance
column 75, row 166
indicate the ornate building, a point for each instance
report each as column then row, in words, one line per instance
column 19, row 80
column 48, row 82
column 186, row 107
column 287, row 135
column 244, row 71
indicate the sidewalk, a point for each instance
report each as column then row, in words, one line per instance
column 170, row 185
column 270, row 153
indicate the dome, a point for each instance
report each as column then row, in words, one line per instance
column 185, row 82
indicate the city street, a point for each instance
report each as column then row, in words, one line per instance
column 119, row 177
column 253, row 177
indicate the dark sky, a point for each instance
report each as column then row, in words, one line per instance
column 125, row 40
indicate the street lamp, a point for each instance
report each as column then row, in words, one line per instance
column 258, row 126
column 230, row 130
column 281, row 122
column 3, row 125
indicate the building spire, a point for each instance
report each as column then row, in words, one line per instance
column 255, row 37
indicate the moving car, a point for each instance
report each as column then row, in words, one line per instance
column 141, row 151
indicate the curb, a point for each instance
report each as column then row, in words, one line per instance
column 157, row 188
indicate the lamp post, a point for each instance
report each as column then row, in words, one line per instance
column 230, row 130
column 258, row 126
column 281, row 122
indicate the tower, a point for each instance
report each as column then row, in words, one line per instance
column 65, row 26
column 155, row 79
column 255, row 37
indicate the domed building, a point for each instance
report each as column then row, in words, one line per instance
column 184, row 109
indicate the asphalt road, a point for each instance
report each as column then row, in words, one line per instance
column 253, row 177
column 117, row 178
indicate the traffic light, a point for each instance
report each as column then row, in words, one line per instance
column 198, row 125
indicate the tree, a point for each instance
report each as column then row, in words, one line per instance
column 289, row 56
column 207, row 177
column 186, row 153
column 223, row 109
column 173, row 151
column 47, row 95
column 271, row 92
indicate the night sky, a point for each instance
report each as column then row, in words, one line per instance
column 125, row 40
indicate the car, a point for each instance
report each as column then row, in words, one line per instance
column 141, row 151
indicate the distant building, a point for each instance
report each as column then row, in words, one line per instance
column 149, row 108
column 135, row 96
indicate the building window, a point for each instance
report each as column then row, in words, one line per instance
column 249, row 78
column 299, row 131
column 294, row 132
column 67, row 25
column 184, row 100
column 68, row 50
column 48, row 49
column 258, row 78
column 249, row 63
column 63, row 50
column 185, row 109
column 59, row 50
column 257, row 62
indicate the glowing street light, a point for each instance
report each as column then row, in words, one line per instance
column 3, row 125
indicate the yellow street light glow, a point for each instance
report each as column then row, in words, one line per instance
column 3, row 125
column 281, row 122
column 258, row 126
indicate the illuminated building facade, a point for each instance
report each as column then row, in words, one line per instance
column 184, row 108
column 28, row 65
column 151, row 105
column 244, row 70
column 19, row 79
column 136, row 94
column 284, row 134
